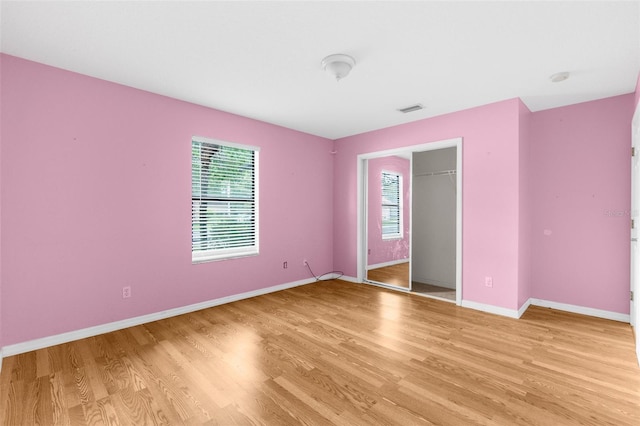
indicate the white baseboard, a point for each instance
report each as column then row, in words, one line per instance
column 331, row 276
column 524, row 307
column 45, row 342
column 0, row 360
column 350, row 279
column 599, row 313
column 491, row 309
column 390, row 263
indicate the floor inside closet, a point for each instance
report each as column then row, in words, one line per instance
column 398, row 275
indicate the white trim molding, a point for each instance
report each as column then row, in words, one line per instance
column 592, row 312
column 511, row 313
column 491, row 309
column 524, row 307
column 351, row 279
column 58, row 339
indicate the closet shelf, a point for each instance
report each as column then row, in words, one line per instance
column 440, row 173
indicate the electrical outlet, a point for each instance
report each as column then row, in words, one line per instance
column 284, row 265
column 304, row 262
column 126, row 292
column 488, row 281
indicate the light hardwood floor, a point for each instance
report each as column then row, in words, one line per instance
column 397, row 275
column 334, row 353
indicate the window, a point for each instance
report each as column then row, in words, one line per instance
column 391, row 205
column 224, row 200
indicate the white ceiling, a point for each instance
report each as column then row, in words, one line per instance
column 262, row 59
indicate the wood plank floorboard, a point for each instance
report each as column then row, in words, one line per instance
column 397, row 275
column 334, row 353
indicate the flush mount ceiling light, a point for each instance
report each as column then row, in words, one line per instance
column 559, row 76
column 338, row 65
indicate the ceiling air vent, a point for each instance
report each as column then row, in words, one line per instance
column 411, row 108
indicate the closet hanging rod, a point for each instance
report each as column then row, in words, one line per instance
column 443, row 172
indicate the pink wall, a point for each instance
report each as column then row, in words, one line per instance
column 525, row 199
column 545, row 200
column 637, row 92
column 382, row 251
column 95, row 182
column 96, row 195
column 580, row 157
column 490, row 194
column 1, row 138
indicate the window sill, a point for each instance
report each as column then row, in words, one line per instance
column 205, row 257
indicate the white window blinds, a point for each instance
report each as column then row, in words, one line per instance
column 224, row 200
column 391, row 205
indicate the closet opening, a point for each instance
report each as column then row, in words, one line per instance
column 410, row 219
column 433, row 235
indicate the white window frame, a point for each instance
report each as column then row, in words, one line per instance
column 400, row 233
column 200, row 256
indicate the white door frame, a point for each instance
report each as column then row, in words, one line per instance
column 362, row 203
column 634, row 312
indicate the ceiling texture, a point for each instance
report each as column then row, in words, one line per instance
column 262, row 59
